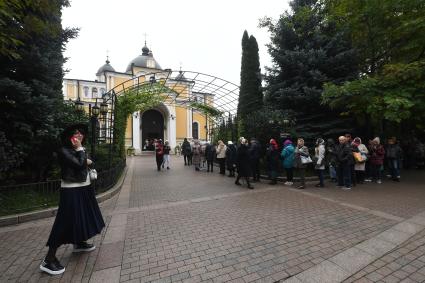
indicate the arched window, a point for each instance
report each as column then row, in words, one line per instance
column 195, row 130
column 94, row 92
column 86, row 91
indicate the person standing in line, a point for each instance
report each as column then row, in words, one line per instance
column 377, row 154
column 301, row 160
column 319, row 154
column 360, row 166
column 78, row 217
column 231, row 158
column 272, row 156
column 178, row 149
column 254, row 152
column 221, row 156
column 288, row 161
column 196, row 151
column 192, row 143
column 167, row 150
column 186, row 151
column 344, row 158
column 331, row 159
column 209, row 156
column 159, row 154
column 242, row 163
column 394, row 155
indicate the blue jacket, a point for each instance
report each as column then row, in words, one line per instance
column 288, row 156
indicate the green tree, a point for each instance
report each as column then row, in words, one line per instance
column 31, row 79
column 389, row 38
column 250, row 94
column 308, row 50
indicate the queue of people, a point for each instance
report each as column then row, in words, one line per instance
column 349, row 161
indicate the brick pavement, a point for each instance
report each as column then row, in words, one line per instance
column 186, row 226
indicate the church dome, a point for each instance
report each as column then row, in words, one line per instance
column 105, row 68
column 146, row 60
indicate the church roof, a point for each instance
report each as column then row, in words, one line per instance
column 105, row 68
column 141, row 61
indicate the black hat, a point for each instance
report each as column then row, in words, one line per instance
column 70, row 130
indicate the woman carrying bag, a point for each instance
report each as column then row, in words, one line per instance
column 302, row 158
column 78, row 217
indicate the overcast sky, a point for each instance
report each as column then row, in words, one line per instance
column 202, row 36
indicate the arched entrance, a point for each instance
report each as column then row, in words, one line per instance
column 152, row 127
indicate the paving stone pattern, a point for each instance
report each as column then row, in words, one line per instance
column 179, row 225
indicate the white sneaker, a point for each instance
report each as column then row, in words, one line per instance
column 368, row 180
column 346, row 188
column 379, row 182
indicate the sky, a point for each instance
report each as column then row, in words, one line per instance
column 201, row 36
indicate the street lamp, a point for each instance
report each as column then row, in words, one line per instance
column 79, row 105
column 94, row 113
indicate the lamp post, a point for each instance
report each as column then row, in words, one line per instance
column 95, row 111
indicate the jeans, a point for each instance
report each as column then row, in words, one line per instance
column 222, row 162
column 186, row 159
column 344, row 175
column 255, row 169
column 166, row 160
column 159, row 160
column 394, row 166
column 332, row 172
column 301, row 172
column 210, row 165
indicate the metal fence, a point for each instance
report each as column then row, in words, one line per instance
column 28, row 197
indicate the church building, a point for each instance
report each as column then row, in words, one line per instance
column 170, row 120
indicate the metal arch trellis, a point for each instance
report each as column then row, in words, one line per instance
column 222, row 94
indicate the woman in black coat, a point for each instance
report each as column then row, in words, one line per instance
column 242, row 163
column 231, row 158
column 78, row 217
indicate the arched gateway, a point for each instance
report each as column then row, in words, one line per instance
column 193, row 103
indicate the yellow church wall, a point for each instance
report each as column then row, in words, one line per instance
column 181, row 126
column 198, row 117
column 70, row 89
column 128, row 132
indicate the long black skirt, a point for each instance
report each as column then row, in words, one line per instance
column 78, row 217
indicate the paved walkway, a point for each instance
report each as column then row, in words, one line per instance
column 179, row 225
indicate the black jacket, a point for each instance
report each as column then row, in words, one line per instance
column 231, row 156
column 210, row 152
column 73, row 165
column 344, row 154
column 243, row 161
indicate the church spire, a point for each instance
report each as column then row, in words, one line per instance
column 145, row 49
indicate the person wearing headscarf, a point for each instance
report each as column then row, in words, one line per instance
column 377, row 155
column 288, row 161
column 272, row 157
column 242, row 163
column 360, row 166
column 319, row 154
column 159, row 154
column 221, row 156
column 167, row 150
column 231, row 158
column 196, row 151
column 301, row 153
column 78, row 216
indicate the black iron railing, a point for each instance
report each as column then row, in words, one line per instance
column 28, row 197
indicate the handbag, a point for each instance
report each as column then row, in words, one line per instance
column 358, row 157
column 92, row 174
column 306, row 159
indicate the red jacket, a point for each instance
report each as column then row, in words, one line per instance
column 377, row 154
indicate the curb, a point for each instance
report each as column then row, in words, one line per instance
column 49, row 212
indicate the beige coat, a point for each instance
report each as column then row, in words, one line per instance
column 361, row 166
column 221, row 151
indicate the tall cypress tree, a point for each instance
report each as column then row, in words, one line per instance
column 307, row 50
column 31, row 80
column 250, row 95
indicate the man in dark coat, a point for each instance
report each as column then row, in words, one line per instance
column 344, row 157
column 186, row 151
column 242, row 163
column 231, row 158
column 209, row 156
column 254, row 158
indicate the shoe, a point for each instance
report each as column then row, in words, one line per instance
column 83, row 247
column 208, row 170
column 319, row 185
column 272, row 183
column 52, row 267
column 368, row 180
column 300, row 187
column 237, row 183
column 346, row 188
column 388, row 176
column 379, row 182
column 250, row 187
column 288, row 183
column 168, row 168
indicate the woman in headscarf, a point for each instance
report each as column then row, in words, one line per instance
column 196, row 159
column 272, row 156
column 221, row 156
column 319, row 154
column 78, row 217
column 377, row 155
column 242, row 163
column 288, row 161
column 360, row 166
column 302, row 158
column 231, row 158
